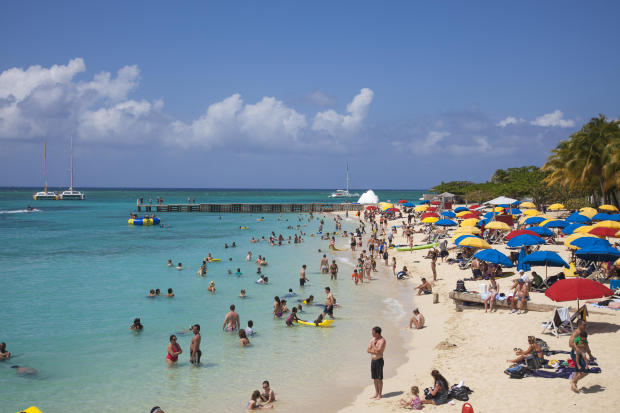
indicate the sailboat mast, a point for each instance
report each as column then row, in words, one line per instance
column 45, row 164
column 347, row 176
column 71, row 189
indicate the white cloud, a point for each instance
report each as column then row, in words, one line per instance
column 510, row 120
column 553, row 119
column 429, row 143
column 334, row 123
column 319, row 98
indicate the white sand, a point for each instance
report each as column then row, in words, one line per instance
column 474, row 346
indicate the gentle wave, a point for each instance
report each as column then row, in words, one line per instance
column 394, row 308
column 19, row 211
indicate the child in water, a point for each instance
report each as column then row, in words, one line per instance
column 254, row 404
column 292, row 317
column 211, row 288
column 243, row 338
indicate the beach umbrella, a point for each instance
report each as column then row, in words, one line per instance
column 589, row 212
column 531, row 212
column 458, row 238
column 542, row 231
column 420, row 208
column 583, row 230
column 461, row 209
column 524, row 241
column 431, row 209
column 546, row 258
column 448, row 214
column 403, row 201
column 614, row 217
column 513, row 234
column 436, row 203
column 408, row 204
column 577, row 289
column 568, row 240
column 569, row 229
column 392, row 210
column 608, row 224
column 430, row 214
column 527, row 204
column 474, row 206
column 430, row 220
column 608, row 207
column 514, row 211
column 617, row 263
column 603, row 232
column 371, row 207
column 488, row 215
column 471, row 222
column 501, row 200
column 554, row 223
column 483, row 222
column 467, row 230
column 446, row 223
column 555, row 207
column 501, row 226
column 576, row 217
column 497, row 209
column 598, row 253
column 520, row 264
column 534, row 220
column 462, row 213
column 601, row 216
column 474, row 242
column 585, row 242
column 494, row 257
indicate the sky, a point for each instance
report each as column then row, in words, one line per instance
column 281, row 94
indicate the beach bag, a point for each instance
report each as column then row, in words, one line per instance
column 460, row 393
column 532, row 362
column 427, row 393
column 515, row 372
column 460, row 286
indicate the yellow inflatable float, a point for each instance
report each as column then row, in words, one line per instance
column 32, row 409
column 324, row 323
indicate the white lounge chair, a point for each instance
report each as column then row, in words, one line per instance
column 559, row 323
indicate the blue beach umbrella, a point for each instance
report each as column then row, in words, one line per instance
column 524, row 241
column 587, row 242
column 569, row 229
column 598, row 253
column 488, row 215
column 541, row 231
column 461, row 209
column 448, row 214
column 577, row 218
column 494, row 257
column 426, row 201
column 520, row 264
column 534, row 220
column 556, row 223
column 446, row 223
column 601, row 216
column 483, row 221
column 516, row 203
column 515, row 211
column 408, row 204
column 458, row 240
column 614, row 217
column 546, row 258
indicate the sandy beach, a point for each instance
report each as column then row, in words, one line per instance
column 474, row 347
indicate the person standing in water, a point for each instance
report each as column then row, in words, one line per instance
column 232, row 322
column 302, row 276
column 333, row 269
column 324, row 264
column 174, row 350
column 194, row 347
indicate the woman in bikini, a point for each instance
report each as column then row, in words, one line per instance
column 174, row 349
column 277, row 307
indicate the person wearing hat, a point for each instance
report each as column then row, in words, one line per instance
column 521, row 294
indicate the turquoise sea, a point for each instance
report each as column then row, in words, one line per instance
column 74, row 275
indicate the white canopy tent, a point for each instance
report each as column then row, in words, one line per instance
column 501, row 200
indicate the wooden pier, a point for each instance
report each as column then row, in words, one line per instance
column 250, row 208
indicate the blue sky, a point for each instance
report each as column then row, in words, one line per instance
column 282, row 93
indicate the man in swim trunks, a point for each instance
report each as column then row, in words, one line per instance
column 329, row 302
column 324, row 264
column 194, row 347
column 302, row 276
column 232, row 321
column 376, row 349
column 333, row 270
column 425, row 287
column 580, row 371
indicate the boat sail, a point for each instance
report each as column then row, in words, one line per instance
column 45, row 194
column 344, row 193
column 71, row 194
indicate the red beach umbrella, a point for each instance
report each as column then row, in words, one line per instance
column 429, row 214
column 520, row 232
column 474, row 206
column 577, row 289
column 371, row 207
column 603, row 232
column 471, row 215
column 392, row 210
column 431, row 209
column 403, row 201
column 435, row 203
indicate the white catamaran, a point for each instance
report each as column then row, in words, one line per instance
column 44, row 194
column 344, row 193
column 70, row 193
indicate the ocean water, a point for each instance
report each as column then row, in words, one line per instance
column 74, row 275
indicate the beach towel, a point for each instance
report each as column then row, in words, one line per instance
column 561, row 373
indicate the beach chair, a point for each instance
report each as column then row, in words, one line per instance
column 559, row 323
column 571, row 271
column 466, row 263
column 580, row 314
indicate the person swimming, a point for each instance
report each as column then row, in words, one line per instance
column 136, row 325
column 179, row 266
column 24, row 370
column 242, row 294
column 151, row 294
column 211, row 287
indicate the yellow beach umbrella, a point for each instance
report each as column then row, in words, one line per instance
column 583, row 230
column 430, row 220
column 474, row 242
column 460, row 214
column 467, row 230
column 502, row 226
column 471, row 222
column 573, row 237
column 587, row 211
column 555, row 207
column 497, row 209
column 421, row 208
column 527, row 205
column 531, row 212
column 385, row 205
column 617, row 263
column 608, row 207
column 607, row 224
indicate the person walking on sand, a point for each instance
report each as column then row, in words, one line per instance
column 580, row 365
column 232, row 322
column 434, row 254
column 302, row 276
column 333, row 270
column 194, row 347
column 376, row 347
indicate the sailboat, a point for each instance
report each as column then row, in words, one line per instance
column 44, row 194
column 343, row 193
column 70, row 193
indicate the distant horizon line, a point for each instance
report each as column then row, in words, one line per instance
column 202, row 189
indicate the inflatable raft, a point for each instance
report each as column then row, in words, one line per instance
column 417, row 247
column 143, row 221
column 324, row 323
